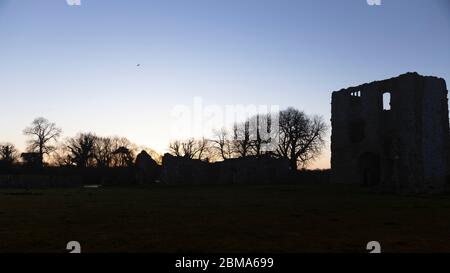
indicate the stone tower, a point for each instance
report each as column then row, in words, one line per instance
column 392, row 134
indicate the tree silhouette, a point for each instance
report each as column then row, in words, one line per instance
column 42, row 133
column 124, row 157
column 242, row 144
column 89, row 150
column 175, row 148
column 8, row 153
column 260, row 133
column 222, row 143
column 124, row 152
column 103, row 152
column 301, row 137
column 190, row 148
column 203, row 149
column 82, row 150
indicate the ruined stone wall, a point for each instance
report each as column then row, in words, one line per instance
column 253, row 170
column 180, row 170
column 249, row 170
column 401, row 149
column 435, row 133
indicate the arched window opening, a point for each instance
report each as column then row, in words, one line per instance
column 386, row 101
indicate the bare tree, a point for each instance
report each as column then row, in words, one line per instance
column 82, row 150
column 59, row 157
column 124, row 157
column 301, row 138
column 103, row 152
column 124, row 152
column 8, row 153
column 190, row 148
column 203, row 149
column 222, row 144
column 261, row 134
column 42, row 133
column 175, row 148
column 242, row 144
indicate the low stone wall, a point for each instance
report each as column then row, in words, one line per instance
column 249, row 170
column 180, row 170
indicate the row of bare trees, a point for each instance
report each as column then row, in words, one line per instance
column 250, row 137
column 299, row 138
column 83, row 150
column 90, row 150
column 191, row 148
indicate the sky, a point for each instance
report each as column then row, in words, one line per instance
column 117, row 67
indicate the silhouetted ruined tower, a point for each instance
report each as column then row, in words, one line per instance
column 392, row 134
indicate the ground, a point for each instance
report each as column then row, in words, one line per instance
column 291, row 218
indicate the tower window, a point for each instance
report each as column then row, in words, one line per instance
column 386, row 101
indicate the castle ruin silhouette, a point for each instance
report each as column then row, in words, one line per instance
column 392, row 134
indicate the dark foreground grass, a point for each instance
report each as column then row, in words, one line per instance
column 303, row 218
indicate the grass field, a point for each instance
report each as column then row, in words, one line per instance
column 303, row 218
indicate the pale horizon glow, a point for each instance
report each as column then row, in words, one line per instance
column 77, row 66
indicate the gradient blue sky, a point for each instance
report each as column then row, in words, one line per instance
column 77, row 65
